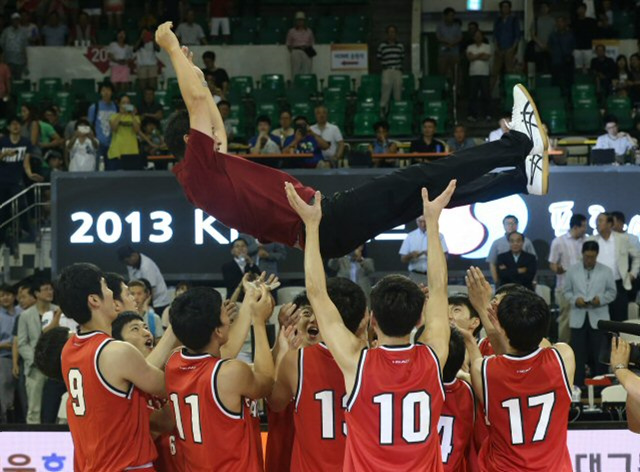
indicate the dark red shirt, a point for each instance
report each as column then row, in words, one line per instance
column 241, row 194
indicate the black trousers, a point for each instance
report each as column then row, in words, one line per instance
column 479, row 96
column 588, row 345
column 51, row 396
column 353, row 217
column 619, row 308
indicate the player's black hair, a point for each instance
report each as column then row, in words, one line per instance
column 455, row 359
column 618, row 215
column 8, row 289
column 396, row 303
column 48, row 351
column 590, row 246
column 349, row 299
column 460, row 299
column 577, row 220
column 125, row 251
column 177, row 128
column 75, row 284
column 524, row 316
column 195, row 315
column 512, row 217
column 301, row 300
column 114, row 282
column 121, row 321
column 510, row 288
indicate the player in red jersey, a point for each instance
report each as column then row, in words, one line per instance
column 395, row 391
column 211, row 395
column 526, row 392
column 107, row 415
column 459, row 411
column 312, row 377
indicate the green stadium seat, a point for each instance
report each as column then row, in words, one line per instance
column 326, row 36
column 326, row 29
column 368, row 106
column 408, row 86
column 403, row 106
column 580, row 91
column 302, row 108
column 272, row 110
column 297, row 94
column 548, row 92
column 363, row 124
column 265, row 96
column 64, row 99
column 49, row 86
column 341, row 81
column 620, row 107
column 19, row 86
column 82, row 87
column 425, row 96
column 354, row 21
column 555, row 118
column 27, row 98
column 161, row 97
column 173, row 90
column 543, row 80
column 273, row 82
column 337, row 115
column 511, row 80
column 327, row 22
column 238, row 122
column 437, row 84
column 307, row 82
column 439, row 111
column 400, row 124
column 353, row 36
column 586, row 120
column 334, row 95
column 243, row 84
column 270, row 36
column 624, row 23
column 243, row 36
column 104, row 37
column 281, row 23
column 249, row 23
column 370, row 86
column 580, row 78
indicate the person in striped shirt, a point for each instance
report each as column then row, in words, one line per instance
column 391, row 57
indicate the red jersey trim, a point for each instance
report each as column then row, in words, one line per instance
column 148, row 465
column 358, row 382
column 102, row 379
column 565, row 377
column 214, row 391
column 435, row 358
column 89, row 334
column 485, row 391
column 300, row 377
column 525, row 357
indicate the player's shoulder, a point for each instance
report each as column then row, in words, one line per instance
column 565, row 351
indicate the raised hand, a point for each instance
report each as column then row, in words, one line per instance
column 232, row 309
column 166, row 38
column 620, row 351
column 479, row 288
column 189, row 55
column 309, row 214
column 433, row 208
column 260, row 303
column 286, row 313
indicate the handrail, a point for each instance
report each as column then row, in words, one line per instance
column 22, row 212
column 23, row 192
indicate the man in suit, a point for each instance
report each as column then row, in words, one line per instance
column 589, row 287
column 30, row 326
column 356, row 268
column 500, row 245
column 241, row 264
column 266, row 256
column 516, row 266
column 623, row 258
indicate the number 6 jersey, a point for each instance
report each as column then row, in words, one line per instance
column 393, row 411
column 527, row 401
column 109, row 427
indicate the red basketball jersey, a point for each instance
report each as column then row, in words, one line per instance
column 280, row 439
column 169, row 459
column 110, row 427
column 393, row 411
column 527, row 401
column 319, row 412
column 210, row 437
column 485, row 347
column 456, row 425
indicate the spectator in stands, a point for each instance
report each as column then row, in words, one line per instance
column 500, row 245
column 14, row 42
column 149, row 108
column 140, row 266
column 619, row 141
column 300, row 42
column 607, row 11
column 125, row 126
column 503, row 127
column 589, row 287
column 604, row 69
column 304, row 141
column 5, row 84
column 585, row 30
column 468, row 37
column 382, row 145
column 15, row 159
column 264, row 142
column 142, row 296
column 561, row 45
column 356, row 267
column 286, row 130
column 541, row 29
column 391, row 57
column 427, row 142
column 154, row 144
column 267, row 256
column 9, row 312
column 242, row 263
column 29, row 27
column 224, row 107
column 189, row 32
column 213, row 88
column 449, row 36
column 479, row 55
column 83, row 33
column 99, row 116
column 149, row 19
column 622, row 257
column 54, row 33
column 218, row 12
column 93, row 8
column 619, row 223
column 516, row 266
column 44, row 136
column 330, row 134
column 220, row 76
column 81, row 151
column 459, row 141
column 566, row 250
column 120, row 58
column 621, row 78
column 146, row 61
column 30, row 327
column 507, row 33
column 414, row 251
column 114, row 10
column 634, row 79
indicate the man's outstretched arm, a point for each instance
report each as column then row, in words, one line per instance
column 343, row 344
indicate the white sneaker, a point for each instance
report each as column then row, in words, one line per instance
column 537, row 169
column 525, row 119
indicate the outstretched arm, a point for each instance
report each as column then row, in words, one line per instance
column 437, row 331
column 343, row 344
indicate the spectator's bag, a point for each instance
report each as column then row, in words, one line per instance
column 310, row 51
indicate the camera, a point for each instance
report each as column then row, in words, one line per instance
column 302, row 129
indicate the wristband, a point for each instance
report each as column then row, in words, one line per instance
column 619, row 367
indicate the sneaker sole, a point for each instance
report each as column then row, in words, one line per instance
column 545, row 140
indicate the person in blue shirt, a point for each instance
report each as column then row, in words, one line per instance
column 304, row 141
column 264, row 142
column 101, row 120
column 507, row 33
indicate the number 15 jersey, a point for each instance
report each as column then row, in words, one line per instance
column 393, row 411
column 527, row 401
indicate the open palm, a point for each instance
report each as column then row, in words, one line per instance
column 433, row 208
column 309, row 214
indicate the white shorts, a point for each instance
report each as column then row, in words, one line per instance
column 93, row 11
column 219, row 24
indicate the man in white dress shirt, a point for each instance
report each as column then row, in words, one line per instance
column 329, row 133
column 619, row 141
column 139, row 267
column 414, row 251
column 566, row 250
